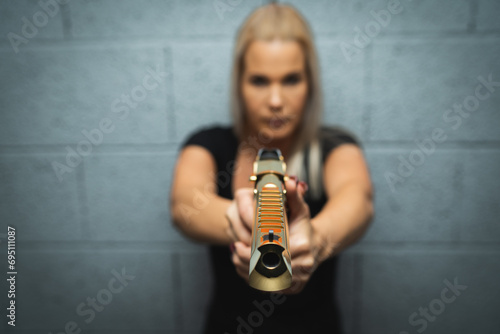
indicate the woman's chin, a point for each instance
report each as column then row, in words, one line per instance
column 277, row 134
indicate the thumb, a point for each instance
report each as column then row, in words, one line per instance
column 295, row 191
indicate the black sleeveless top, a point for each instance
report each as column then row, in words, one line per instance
column 235, row 307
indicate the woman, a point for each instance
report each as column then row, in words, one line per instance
column 276, row 103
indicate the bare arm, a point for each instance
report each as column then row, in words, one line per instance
column 195, row 207
column 349, row 208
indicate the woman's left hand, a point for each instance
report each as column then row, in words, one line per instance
column 303, row 242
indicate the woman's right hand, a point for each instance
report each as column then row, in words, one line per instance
column 240, row 216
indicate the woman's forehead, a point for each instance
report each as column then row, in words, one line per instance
column 274, row 57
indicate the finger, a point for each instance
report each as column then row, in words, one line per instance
column 238, row 263
column 303, row 188
column 230, row 230
column 245, row 204
column 240, row 231
column 243, row 252
column 295, row 200
column 241, row 268
column 300, row 185
column 299, row 245
column 243, row 274
column 303, row 268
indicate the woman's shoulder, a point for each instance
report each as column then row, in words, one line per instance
column 332, row 136
column 218, row 139
column 337, row 134
column 211, row 134
column 212, row 131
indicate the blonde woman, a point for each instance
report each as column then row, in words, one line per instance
column 276, row 103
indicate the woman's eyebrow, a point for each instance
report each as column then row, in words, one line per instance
column 258, row 74
column 293, row 74
column 286, row 76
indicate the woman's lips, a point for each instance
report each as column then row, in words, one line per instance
column 276, row 123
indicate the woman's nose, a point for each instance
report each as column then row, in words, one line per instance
column 276, row 99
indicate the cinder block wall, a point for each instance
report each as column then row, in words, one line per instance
column 97, row 95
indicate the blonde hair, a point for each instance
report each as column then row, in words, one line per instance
column 284, row 22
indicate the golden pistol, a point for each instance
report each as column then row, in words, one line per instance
column 270, row 262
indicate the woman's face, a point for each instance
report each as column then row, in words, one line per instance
column 274, row 87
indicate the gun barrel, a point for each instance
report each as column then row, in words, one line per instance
column 270, row 262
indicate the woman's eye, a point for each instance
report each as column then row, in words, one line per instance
column 258, row 81
column 292, row 80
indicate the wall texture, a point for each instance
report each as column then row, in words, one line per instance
column 96, row 96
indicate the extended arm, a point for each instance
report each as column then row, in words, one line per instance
column 196, row 209
column 349, row 209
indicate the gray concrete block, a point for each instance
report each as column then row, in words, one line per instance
column 105, row 19
column 128, row 196
column 219, row 17
column 196, row 288
column 480, row 196
column 417, row 83
column 201, row 85
column 395, row 285
column 423, row 205
column 343, row 87
column 122, row 19
column 487, row 15
column 35, row 202
column 28, row 20
column 329, row 16
column 50, row 96
column 53, row 285
column 343, row 17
